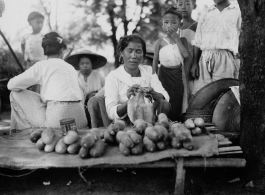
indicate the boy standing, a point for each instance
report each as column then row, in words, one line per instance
column 31, row 43
column 216, row 44
column 187, row 30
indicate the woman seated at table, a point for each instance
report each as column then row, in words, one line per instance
column 90, row 80
column 121, row 83
column 96, row 105
column 60, row 95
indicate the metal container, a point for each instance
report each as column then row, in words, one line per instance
column 68, row 124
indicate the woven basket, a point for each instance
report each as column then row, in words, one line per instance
column 206, row 115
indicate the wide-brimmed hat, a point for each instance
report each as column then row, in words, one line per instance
column 97, row 60
column 150, row 51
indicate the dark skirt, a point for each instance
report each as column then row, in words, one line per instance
column 171, row 79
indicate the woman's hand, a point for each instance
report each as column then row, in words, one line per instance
column 131, row 90
column 155, row 95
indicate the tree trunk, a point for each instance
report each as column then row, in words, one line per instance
column 113, row 38
column 252, row 86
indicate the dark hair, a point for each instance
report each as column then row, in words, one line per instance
column 34, row 15
column 52, row 43
column 124, row 42
column 172, row 10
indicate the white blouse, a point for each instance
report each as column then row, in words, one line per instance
column 119, row 81
column 94, row 82
column 58, row 80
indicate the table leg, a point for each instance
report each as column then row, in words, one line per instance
column 180, row 177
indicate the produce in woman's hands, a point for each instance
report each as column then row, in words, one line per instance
column 138, row 109
column 133, row 107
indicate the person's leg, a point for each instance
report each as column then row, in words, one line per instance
column 27, row 110
column 57, row 111
column 98, row 114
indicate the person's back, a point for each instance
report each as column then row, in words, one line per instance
column 60, row 95
column 55, row 70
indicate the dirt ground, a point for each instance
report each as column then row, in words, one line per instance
column 123, row 182
column 199, row 181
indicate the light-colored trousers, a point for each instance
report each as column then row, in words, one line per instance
column 214, row 65
column 28, row 110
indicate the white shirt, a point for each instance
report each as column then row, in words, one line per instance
column 219, row 30
column 119, row 81
column 170, row 56
column 33, row 48
column 58, row 80
column 94, row 82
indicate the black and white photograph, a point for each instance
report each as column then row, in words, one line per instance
column 132, row 97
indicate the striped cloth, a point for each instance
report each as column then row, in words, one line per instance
column 27, row 110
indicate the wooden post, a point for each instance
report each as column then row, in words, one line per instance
column 12, row 52
column 180, row 177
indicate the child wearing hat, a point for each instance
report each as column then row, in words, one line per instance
column 31, row 43
column 90, row 81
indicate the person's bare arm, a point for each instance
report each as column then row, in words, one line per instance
column 195, row 71
column 156, row 56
